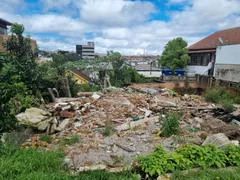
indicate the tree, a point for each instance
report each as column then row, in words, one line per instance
column 22, row 57
column 175, row 54
column 18, row 77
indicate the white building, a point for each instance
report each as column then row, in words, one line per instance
column 227, row 65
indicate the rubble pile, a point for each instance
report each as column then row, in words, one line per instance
column 117, row 125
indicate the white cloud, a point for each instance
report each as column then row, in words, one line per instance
column 49, row 23
column 122, row 25
column 204, row 15
column 11, row 5
column 115, row 12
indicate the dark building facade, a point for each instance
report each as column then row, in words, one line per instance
column 3, row 26
column 85, row 51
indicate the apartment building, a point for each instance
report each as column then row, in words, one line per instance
column 85, row 51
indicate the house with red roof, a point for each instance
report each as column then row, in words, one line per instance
column 79, row 76
column 203, row 53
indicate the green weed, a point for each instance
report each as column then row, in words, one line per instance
column 69, row 140
column 188, row 157
column 45, row 138
column 108, row 129
column 228, row 105
column 171, row 125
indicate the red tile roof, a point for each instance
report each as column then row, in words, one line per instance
column 81, row 74
column 228, row 36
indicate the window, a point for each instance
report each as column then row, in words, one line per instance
column 201, row 60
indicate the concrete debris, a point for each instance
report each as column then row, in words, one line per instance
column 235, row 122
column 220, row 140
column 92, row 168
column 149, row 91
column 95, row 96
column 116, row 125
column 113, row 89
column 64, row 124
column 235, row 142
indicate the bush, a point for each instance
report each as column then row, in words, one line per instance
column 222, row 96
column 190, row 156
column 228, row 105
column 213, row 95
column 171, row 125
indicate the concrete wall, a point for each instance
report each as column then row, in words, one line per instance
column 227, row 66
column 228, row 54
column 192, row 70
column 227, row 72
column 153, row 74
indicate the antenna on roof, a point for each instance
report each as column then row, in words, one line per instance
column 221, row 41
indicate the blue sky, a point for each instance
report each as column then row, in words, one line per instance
column 129, row 27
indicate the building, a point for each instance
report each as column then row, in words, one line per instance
column 148, row 70
column 85, row 51
column 4, row 35
column 227, row 65
column 80, row 77
column 3, row 31
column 203, row 53
column 4, row 26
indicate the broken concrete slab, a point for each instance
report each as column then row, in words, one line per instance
column 33, row 116
column 220, row 140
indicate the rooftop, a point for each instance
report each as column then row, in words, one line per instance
column 81, row 74
column 5, row 22
column 224, row 37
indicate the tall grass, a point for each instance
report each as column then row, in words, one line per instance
column 32, row 164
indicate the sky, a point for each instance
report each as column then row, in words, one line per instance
column 131, row 27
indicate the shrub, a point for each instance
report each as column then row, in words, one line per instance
column 233, row 154
column 228, row 105
column 222, row 96
column 171, row 124
column 190, row 156
column 212, row 95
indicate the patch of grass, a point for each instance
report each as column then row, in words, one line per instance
column 171, row 125
column 32, row 164
column 45, row 138
column 108, row 129
column 69, row 140
column 210, row 174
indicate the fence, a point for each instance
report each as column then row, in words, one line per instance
column 208, row 81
